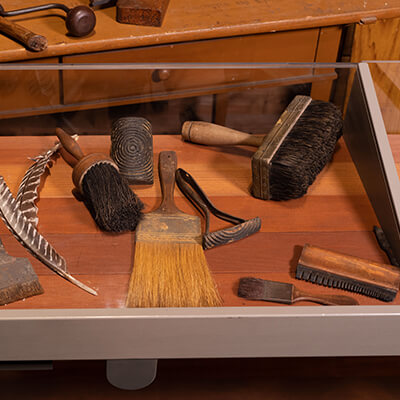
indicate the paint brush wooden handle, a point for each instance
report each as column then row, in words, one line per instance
column 166, row 169
column 325, row 299
column 30, row 40
column 217, row 135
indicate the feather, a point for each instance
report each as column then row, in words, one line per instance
column 31, row 239
column 28, row 189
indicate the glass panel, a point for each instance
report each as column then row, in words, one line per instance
column 88, row 100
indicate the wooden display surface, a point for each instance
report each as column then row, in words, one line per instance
column 187, row 20
column 335, row 214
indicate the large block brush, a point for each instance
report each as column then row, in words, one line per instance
column 291, row 155
column 170, row 268
column 107, row 195
column 342, row 271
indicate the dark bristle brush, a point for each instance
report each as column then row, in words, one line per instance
column 107, row 195
column 286, row 293
column 291, row 155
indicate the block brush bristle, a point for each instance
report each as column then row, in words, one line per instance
column 306, row 150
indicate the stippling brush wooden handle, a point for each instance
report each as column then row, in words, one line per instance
column 325, row 299
column 80, row 162
column 30, row 40
column 217, row 135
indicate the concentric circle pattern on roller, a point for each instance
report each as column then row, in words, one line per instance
column 132, row 149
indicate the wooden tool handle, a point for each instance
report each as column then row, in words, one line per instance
column 167, row 164
column 350, row 266
column 69, row 144
column 216, row 135
column 30, row 40
column 325, row 299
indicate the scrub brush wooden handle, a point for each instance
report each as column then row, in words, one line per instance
column 216, row 135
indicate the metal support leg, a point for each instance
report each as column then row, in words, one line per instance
column 131, row 374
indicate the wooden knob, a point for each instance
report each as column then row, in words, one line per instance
column 80, row 21
column 161, row 75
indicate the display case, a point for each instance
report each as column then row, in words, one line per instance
column 357, row 189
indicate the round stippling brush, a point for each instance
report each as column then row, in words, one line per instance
column 107, row 195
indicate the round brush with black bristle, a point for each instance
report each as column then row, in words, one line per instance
column 107, row 195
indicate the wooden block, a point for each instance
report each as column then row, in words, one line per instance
column 141, row 12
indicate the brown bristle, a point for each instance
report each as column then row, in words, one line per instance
column 251, row 288
column 171, row 275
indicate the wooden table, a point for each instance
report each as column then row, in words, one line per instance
column 192, row 31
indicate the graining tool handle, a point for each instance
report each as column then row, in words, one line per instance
column 30, row 40
column 241, row 228
column 325, row 299
column 216, row 135
column 167, row 163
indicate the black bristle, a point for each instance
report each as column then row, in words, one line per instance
column 308, row 147
column 344, row 283
column 110, row 200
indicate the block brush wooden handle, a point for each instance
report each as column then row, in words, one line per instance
column 30, row 40
column 216, row 135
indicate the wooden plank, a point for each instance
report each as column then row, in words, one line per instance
column 187, row 20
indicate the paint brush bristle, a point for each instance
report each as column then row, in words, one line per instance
column 251, row 288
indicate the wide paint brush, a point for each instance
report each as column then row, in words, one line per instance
column 170, row 269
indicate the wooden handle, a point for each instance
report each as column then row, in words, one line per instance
column 325, row 299
column 359, row 269
column 30, row 40
column 216, row 135
column 167, row 164
column 69, row 144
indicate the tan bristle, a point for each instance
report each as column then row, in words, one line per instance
column 171, row 275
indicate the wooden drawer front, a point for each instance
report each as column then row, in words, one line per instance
column 83, row 86
column 27, row 90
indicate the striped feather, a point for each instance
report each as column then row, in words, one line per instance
column 28, row 189
column 30, row 238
